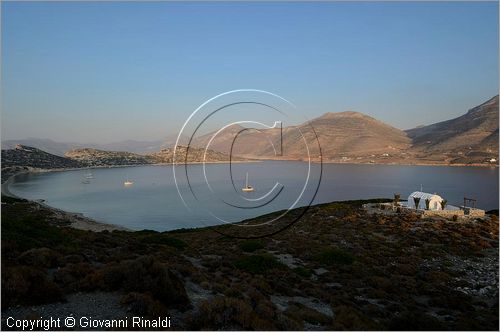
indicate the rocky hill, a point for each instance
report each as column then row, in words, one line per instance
column 194, row 155
column 472, row 136
column 342, row 136
column 247, row 141
column 356, row 137
column 94, row 157
column 350, row 137
column 59, row 148
column 22, row 158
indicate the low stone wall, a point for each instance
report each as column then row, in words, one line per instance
column 475, row 213
column 459, row 212
column 442, row 213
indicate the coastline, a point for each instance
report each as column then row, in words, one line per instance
column 82, row 222
column 388, row 163
column 77, row 220
column 414, row 164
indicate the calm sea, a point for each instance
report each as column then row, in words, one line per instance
column 153, row 201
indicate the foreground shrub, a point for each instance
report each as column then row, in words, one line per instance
column 158, row 238
column 31, row 232
column 142, row 275
column 251, row 245
column 70, row 277
column 349, row 318
column 302, row 271
column 258, row 263
column 307, row 314
column 331, row 256
column 144, row 305
column 41, row 257
column 24, row 285
column 225, row 313
column 415, row 321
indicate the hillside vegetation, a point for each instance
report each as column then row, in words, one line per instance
column 339, row 268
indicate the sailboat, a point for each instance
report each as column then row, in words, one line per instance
column 247, row 187
column 128, row 183
column 85, row 179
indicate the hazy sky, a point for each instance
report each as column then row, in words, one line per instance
column 89, row 72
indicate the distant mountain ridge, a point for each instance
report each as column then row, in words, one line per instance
column 355, row 137
column 472, row 136
column 344, row 137
column 25, row 158
column 340, row 134
column 31, row 157
column 59, row 149
column 95, row 157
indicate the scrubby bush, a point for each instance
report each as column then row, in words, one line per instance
column 307, row 314
column 41, row 257
column 258, row 263
column 144, row 305
column 143, row 275
column 159, row 238
column 251, row 245
column 331, row 256
column 27, row 286
column 302, row 271
column 32, row 232
column 349, row 318
column 416, row 321
column 223, row 312
column 226, row 313
column 71, row 277
column 397, row 197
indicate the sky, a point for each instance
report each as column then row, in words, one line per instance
column 110, row 71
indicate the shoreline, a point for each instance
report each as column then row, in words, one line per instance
column 77, row 220
column 415, row 164
column 82, row 222
column 391, row 163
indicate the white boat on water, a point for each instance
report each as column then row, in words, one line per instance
column 247, row 187
column 89, row 175
column 86, row 178
column 128, row 183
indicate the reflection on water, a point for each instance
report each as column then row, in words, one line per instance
column 153, row 202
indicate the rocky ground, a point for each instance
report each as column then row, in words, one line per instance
column 28, row 157
column 336, row 268
column 24, row 158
